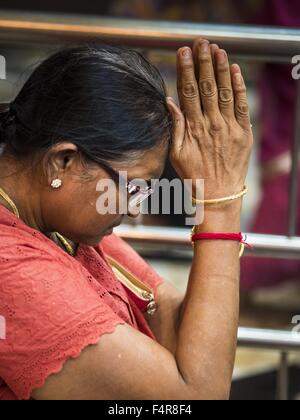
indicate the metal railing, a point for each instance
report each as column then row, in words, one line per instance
column 282, row 341
column 266, row 44
column 178, row 239
column 252, row 41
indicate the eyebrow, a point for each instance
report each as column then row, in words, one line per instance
column 115, row 174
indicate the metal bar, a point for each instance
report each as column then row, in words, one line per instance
column 178, row 239
column 283, row 341
column 283, row 378
column 294, row 182
column 261, row 42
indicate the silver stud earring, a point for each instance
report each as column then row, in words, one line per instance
column 56, row 183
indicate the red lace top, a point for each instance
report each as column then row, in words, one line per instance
column 53, row 305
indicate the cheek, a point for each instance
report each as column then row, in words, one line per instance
column 78, row 204
column 87, row 223
column 91, row 217
column 111, row 202
column 88, row 208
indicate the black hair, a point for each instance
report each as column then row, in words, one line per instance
column 109, row 101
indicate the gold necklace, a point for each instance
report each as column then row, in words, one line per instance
column 10, row 202
column 66, row 244
column 68, row 247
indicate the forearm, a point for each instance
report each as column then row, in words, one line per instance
column 208, row 322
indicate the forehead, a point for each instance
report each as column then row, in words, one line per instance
column 148, row 165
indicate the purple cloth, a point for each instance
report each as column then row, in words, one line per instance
column 280, row 13
column 278, row 100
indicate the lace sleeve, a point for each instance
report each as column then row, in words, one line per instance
column 52, row 313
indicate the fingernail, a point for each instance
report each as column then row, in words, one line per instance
column 222, row 57
column 186, row 53
column 204, row 47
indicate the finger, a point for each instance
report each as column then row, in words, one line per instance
column 207, row 82
column 178, row 125
column 187, row 85
column 226, row 99
column 240, row 97
column 196, row 44
column 214, row 48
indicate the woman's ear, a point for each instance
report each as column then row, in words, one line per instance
column 60, row 159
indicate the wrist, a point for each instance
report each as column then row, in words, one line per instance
column 201, row 189
column 222, row 218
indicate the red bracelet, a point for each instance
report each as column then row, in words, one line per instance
column 221, row 236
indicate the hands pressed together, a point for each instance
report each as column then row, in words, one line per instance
column 212, row 137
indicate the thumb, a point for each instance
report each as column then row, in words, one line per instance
column 178, row 125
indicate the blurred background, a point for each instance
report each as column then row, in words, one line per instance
column 270, row 287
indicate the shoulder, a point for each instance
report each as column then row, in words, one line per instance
column 29, row 253
column 50, row 308
column 36, row 275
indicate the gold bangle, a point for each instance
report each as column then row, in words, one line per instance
column 242, row 250
column 221, row 200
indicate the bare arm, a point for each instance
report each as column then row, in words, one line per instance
column 171, row 302
column 165, row 322
column 212, row 140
